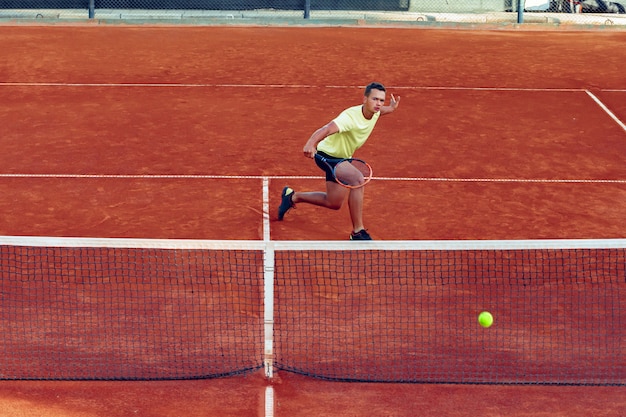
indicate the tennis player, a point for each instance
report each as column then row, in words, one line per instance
column 340, row 138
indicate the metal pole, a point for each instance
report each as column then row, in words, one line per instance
column 92, row 8
column 520, row 11
column 307, row 9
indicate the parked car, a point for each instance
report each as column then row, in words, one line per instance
column 601, row 6
column 576, row 6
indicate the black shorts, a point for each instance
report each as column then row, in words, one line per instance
column 325, row 166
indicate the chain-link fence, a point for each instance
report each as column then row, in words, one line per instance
column 602, row 12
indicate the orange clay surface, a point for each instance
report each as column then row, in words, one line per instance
column 477, row 108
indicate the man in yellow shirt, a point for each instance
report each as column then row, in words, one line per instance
column 340, row 138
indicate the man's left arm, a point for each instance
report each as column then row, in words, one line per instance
column 393, row 105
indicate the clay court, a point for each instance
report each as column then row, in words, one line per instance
column 171, row 132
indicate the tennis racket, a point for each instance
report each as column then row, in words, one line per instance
column 350, row 172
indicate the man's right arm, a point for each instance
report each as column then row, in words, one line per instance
column 310, row 148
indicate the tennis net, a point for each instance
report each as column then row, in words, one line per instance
column 395, row 311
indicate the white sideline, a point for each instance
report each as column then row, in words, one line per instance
column 606, row 109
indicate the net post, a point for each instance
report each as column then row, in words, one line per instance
column 92, row 9
column 268, row 308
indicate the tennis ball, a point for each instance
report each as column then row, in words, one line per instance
column 485, row 319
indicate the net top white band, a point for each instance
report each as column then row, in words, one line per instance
column 313, row 245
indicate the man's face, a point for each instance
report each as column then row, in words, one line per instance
column 374, row 101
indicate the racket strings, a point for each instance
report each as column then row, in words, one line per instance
column 353, row 173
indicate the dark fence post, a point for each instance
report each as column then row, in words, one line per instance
column 92, row 8
column 307, row 9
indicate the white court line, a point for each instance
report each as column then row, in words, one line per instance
column 269, row 401
column 144, row 176
column 520, row 180
column 606, row 109
column 266, row 209
column 170, row 85
column 307, row 177
column 210, row 85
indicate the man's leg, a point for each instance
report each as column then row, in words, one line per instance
column 333, row 198
column 355, row 203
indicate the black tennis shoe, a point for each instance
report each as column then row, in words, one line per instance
column 286, row 202
column 360, row 235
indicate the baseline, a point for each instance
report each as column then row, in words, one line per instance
column 305, row 86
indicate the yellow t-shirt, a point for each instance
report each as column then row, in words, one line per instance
column 354, row 129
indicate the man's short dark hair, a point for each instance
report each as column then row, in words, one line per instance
column 373, row 86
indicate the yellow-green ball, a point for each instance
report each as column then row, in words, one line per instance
column 485, row 319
